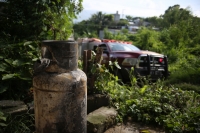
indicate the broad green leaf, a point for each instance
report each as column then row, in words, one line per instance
column 99, row 65
column 18, row 63
column 110, row 63
column 9, row 61
column 44, row 28
column 106, row 70
column 42, row 33
column 35, row 59
column 129, row 102
column 117, row 65
column 8, row 76
column 1, row 113
column 30, row 46
column 93, row 53
column 170, row 125
column 3, row 118
column 2, row 69
column 25, row 78
column 27, row 43
column 30, row 53
column 116, row 78
column 3, row 88
column 3, row 124
column 143, row 89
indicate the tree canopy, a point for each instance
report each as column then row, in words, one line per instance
column 34, row 19
column 24, row 24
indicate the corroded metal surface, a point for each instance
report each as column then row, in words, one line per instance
column 62, row 53
column 60, row 90
column 60, row 102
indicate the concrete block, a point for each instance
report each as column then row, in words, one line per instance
column 101, row 119
column 13, row 107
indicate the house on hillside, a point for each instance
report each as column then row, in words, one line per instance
column 137, row 23
column 116, row 17
column 132, row 26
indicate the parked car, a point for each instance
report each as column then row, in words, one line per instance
column 146, row 63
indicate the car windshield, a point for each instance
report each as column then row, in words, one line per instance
column 122, row 47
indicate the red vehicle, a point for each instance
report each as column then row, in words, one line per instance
column 145, row 63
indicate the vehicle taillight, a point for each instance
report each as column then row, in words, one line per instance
column 161, row 60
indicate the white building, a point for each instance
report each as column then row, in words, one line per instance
column 116, row 17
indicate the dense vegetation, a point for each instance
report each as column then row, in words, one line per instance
column 178, row 38
column 24, row 24
column 173, row 104
column 169, row 107
column 97, row 22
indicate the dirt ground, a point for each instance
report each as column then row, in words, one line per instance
column 131, row 127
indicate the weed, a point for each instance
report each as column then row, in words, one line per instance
column 23, row 123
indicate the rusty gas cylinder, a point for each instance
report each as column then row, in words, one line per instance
column 60, row 90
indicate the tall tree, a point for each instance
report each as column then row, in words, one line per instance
column 46, row 19
column 129, row 18
column 101, row 20
column 155, row 21
column 175, row 14
column 32, row 20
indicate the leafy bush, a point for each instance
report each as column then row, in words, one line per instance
column 39, row 20
column 188, row 86
column 16, row 65
column 184, row 76
column 185, row 72
column 174, row 109
column 2, row 121
column 23, row 123
column 147, row 39
column 116, row 36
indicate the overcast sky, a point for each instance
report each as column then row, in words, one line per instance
column 135, row 8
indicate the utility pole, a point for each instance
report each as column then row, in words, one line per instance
column 123, row 13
